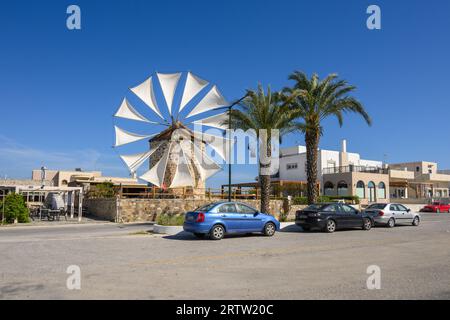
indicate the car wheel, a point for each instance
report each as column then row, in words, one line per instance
column 217, row 232
column 199, row 235
column 367, row 225
column 391, row 223
column 306, row 229
column 269, row 229
column 416, row 221
column 331, row 226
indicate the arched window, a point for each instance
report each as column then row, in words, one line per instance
column 371, row 187
column 328, row 189
column 342, row 188
column 64, row 183
column 360, row 190
column 381, row 192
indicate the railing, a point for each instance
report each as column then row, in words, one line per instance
column 352, row 168
column 186, row 193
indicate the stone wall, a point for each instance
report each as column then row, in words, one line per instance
column 105, row 209
column 141, row 210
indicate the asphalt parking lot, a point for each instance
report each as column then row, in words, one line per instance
column 128, row 262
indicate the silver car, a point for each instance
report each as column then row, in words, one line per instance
column 391, row 214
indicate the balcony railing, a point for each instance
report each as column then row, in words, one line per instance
column 352, row 168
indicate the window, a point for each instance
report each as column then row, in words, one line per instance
column 227, row 208
column 245, row 209
column 291, row 166
column 379, row 206
column 206, row 208
column 342, row 188
column 381, row 192
column 371, row 187
column 417, row 169
column 361, row 190
column 348, row 209
column 331, row 208
column 393, row 207
column 401, row 207
column 328, row 189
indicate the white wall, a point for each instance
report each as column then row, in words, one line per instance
column 297, row 155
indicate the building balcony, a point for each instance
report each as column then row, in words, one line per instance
column 353, row 168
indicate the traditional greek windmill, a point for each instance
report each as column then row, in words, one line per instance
column 177, row 154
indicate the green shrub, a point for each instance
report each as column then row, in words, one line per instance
column 103, row 190
column 15, row 208
column 322, row 199
column 170, row 219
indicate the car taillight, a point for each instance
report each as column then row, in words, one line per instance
column 381, row 213
column 200, row 217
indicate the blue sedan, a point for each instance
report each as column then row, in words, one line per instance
column 220, row 218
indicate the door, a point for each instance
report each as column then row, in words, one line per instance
column 406, row 214
column 352, row 216
column 334, row 211
column 252, row 219
column 229, row 215
column 397, row 213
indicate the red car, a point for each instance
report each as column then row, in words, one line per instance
column 436, row 207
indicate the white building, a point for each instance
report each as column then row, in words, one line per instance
column 293, row 162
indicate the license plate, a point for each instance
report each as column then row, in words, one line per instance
column 302, row 217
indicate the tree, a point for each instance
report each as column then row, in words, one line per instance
column 312, row 100
column 15, row 208
column 263, row 110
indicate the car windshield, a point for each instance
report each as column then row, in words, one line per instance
column 377, row 206
column 206, row 207
column 436, row 203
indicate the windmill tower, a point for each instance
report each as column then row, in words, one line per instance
column 178, row 161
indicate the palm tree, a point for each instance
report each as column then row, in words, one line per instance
column 263, row 110
column 313, row 100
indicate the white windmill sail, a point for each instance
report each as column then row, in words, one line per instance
column 134, row 161
column 192, row 87
column 145, row 92
column 169, row 82
column 203, row 163
column 156, row 174
column 216, row 121
column 127, row 111
column 125, row 137
column 211, row 101
column 220, row 145
column 183, row 176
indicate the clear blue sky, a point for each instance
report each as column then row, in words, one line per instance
column 59, row 88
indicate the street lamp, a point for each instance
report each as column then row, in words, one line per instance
column 230, row 144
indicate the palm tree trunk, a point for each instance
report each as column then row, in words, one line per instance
column 265, row 193
column 312, row 145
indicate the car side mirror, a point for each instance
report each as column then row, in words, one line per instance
column 256, row 213
column 408, row 210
